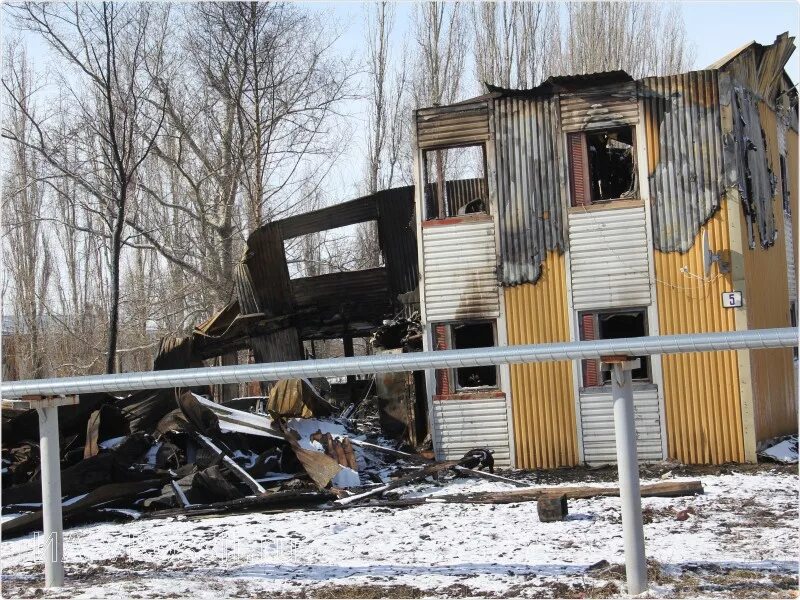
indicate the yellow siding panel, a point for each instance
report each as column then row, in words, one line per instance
column 542, row 393
column 767, row 302
column 701, row 390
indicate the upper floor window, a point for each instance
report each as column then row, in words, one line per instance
column 455, row 182
column 602, row 165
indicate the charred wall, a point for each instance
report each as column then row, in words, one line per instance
column 685, row 172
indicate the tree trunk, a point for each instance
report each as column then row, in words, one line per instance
column 116, row 251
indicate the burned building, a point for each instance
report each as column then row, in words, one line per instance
column 598, row 206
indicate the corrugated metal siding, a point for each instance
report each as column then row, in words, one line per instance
column 543, row 404
column 531, row 177
column 398, row 237
column 794, row 196
column 597, row 423
column 461, row 425
column 608, row 258
column 453, row 125
column 772, row 373
column 684, row 144
column 701, row 390
column 609, row 107
column 460, row 270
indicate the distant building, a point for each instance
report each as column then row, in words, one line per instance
column 597, row 206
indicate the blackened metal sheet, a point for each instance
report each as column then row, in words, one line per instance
column 397, row 232
column 458, row 124
column 365, row 287
column 265, row 262
column 564, row 83
column 346, row 213
column 755, row 179
column 530, row 184
column 682, row 125
column 600, row 107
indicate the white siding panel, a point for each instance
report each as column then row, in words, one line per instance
column 789, row 234
column 597, row 423
column 460, row 271
column 461, row 425
column 608, row 258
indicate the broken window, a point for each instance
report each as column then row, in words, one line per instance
column 455, row 182
column 460, row 336
column 612, row 325
column 602, row 165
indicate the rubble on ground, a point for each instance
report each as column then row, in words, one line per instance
column 143, row 457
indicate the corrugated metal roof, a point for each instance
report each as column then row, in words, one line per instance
column 564, row 83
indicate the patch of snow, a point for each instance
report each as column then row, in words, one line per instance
column 152, row 454
column 112, row 442
column 346, row 478
column 485, row 549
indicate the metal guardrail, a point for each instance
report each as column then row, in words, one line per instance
column 414, row 361
column 617, row 356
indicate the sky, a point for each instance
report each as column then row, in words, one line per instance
column 715, row 28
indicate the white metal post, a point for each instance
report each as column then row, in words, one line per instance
column 51, row 497
column 628, row 472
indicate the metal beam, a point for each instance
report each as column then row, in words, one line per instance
column 413, row 361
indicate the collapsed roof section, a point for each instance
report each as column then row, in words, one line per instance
column 273, row 313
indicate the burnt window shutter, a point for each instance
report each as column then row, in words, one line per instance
column 578, row 169
column 590, row 367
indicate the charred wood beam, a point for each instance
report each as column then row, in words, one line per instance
column 235, row 468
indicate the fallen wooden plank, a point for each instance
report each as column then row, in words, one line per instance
column 490, row 476
column 421, row 474
column 98, row 497
column 277, row 501
column 422, row 459
column 662, row 490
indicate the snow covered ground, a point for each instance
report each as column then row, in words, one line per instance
column 739, row 540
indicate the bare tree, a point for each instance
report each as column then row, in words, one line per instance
column 110, row 48
column 26, row 251
column 513, row 42
column 440, row 32
column 386, row 96
column 249, row 112
column 643, row 38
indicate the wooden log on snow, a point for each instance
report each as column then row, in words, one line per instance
column 667, row 489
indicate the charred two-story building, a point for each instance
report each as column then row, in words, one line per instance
column 598, row 206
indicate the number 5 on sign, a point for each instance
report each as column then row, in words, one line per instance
column 731, row 299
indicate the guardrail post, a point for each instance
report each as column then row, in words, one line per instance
column 51, row 497
column 628, row 470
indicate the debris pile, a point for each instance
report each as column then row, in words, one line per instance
column 178, row 452
column 158, row 453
